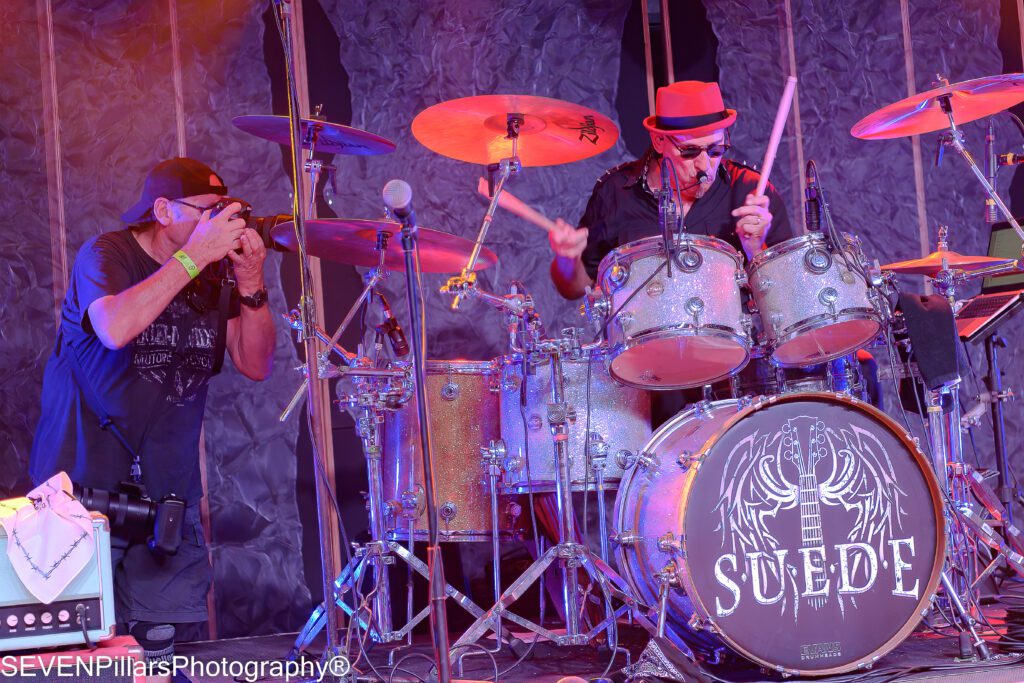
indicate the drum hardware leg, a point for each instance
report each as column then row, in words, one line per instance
column 994, row 380
column 571, row 555
column 965, row 619
column 598, row 464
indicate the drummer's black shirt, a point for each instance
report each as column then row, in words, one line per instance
column 623, row 209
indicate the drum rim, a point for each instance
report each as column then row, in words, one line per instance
column 677, row 330
column 810, row 324
column 630, row 473
column 794, row 244
column 640, row 248
column 927, row 595
column 458, row 366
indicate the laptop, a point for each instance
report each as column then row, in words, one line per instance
column 1000, row 296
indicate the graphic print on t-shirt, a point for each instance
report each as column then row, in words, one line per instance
column 156, row 353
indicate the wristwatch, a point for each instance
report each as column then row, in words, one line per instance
column 256, row 300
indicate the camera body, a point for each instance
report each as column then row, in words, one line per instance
column 261, row 224
column 134, row 515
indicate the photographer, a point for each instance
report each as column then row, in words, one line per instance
column 149, row 312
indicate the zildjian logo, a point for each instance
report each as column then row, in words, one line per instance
column 588, row 130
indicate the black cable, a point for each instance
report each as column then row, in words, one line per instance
column 411, row 655
column 604, row 327
column 485, row 651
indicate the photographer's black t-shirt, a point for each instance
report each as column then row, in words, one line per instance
column 154, row 388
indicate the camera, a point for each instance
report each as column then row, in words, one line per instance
column 261, row 224
column 133, row 514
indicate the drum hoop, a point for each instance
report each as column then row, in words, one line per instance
column 810, row 324
column 650, row 246
column 795, row 244
column 937, row 507
column 461, row 367
column 669, row 331
column 629, row 474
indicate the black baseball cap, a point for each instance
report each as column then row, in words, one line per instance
column 173, row 179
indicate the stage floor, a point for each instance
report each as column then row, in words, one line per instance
column 923, row 657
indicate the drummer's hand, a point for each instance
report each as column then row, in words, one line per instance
column 755, row 220
column 567, row 241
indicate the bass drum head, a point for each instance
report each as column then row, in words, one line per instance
column 813, row 533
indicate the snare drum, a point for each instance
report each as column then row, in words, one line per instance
column 680, row 331
column 813, row 306
column 618, row 419
column 463, row 400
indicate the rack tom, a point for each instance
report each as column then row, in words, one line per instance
column 674, row 325
column 814, row 307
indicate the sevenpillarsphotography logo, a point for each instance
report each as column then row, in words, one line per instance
column 783, row 482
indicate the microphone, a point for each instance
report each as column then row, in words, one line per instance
column 390, row 327
column 812, row 203
column 703, row 177
column 398, row 199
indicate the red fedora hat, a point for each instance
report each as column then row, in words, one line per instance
column 691, row 108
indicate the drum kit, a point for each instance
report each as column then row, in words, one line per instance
column 784, row 498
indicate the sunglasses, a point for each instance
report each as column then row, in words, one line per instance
column 693, row 151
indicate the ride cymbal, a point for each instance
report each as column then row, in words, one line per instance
column 475, row 130
column 922, row 113
column 331, row 138
column 353, row 241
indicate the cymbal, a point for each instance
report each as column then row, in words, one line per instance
column 921, row 113
column 353, row 241
column 331, row 138
column 931, row 264
column 475, row 129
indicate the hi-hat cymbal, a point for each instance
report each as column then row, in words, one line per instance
column 921, row 113
column 331, row 138
column 475, row 130
column 354, row 241
column 931, row 264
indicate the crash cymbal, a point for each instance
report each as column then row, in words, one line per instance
column 931, row 264
column 331, row 138
column 921, row 113
column 475, row 129
column 353, row 241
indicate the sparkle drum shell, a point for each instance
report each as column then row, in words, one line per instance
column 463, row 400
column 675, row 332
column 813, row 307
column 618, row 418
column 805, row 531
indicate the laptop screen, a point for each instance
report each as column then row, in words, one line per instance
column 1003, row 243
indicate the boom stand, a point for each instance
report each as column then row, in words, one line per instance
column 438, row 616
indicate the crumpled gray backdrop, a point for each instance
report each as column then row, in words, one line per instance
column 115, row 96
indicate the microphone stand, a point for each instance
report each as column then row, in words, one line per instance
column 307, row 313
column 438, row 615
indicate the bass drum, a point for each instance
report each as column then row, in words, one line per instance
column 804, row 532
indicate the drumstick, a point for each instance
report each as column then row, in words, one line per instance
column 513, row 204
column 773, row 142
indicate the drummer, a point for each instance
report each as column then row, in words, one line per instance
column 690, row 130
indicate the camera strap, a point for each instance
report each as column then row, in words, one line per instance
column 227, row 284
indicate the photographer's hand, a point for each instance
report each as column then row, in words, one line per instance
column 249, row 264
column 251, row 335
column 215, row 236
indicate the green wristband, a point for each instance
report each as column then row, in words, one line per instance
column 190, row 265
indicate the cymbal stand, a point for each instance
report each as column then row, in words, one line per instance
column 955, row 139
column 506, row 169
column 319, row 424
column 373, row 278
